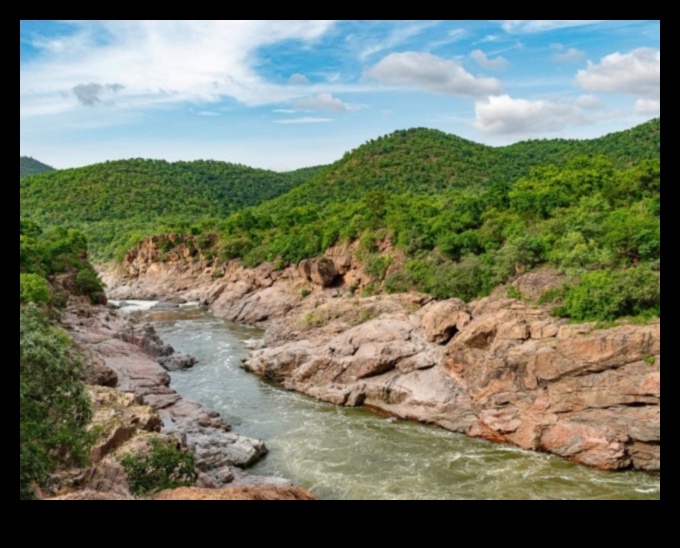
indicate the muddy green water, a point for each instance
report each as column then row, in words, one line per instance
column 352, row 454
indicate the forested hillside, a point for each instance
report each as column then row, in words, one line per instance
column 468, row 218
column 30, row 166
column 116, row 202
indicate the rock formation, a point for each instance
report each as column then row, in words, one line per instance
column 497, row 369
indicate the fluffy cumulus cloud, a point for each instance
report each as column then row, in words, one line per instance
column 637, row 73
column 324, row 101
column 541, row 25
column 426, row 71
column 504, row 115
column 490, row 64
column 172, row 61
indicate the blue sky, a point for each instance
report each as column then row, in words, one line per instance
column 288, row 94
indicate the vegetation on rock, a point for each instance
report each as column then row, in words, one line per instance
column 161, row 466
column 54, row 408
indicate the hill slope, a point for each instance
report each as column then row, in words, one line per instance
column 113, row 201
column 426, row 161
column 31, row 166
column 455, row 219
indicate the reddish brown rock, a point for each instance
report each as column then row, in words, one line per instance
column 508, row 373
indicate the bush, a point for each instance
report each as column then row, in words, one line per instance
column 162, row 466
column 54, row 408
column 398, row 282
column 87, row 282
column 33, row 289
column 606, row 296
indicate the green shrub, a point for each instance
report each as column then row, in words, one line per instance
column 377, row 267
column 602, row 295
column 87, row 283
column 54, row 408
column 161, row 466
column 398, row 282
column 33, row 289
column 514, row 293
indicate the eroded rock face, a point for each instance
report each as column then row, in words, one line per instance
column 510, row 373
column 319, row 271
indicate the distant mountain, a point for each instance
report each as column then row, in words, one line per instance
column 31, row 166
column 114, row 201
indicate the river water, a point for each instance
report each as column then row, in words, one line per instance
column 343, row 453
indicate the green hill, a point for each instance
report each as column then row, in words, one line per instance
column 30, row 166
column 467, row 217
column 116, row 201
column 426, row 161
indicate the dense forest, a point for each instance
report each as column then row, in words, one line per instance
column 30, row 166
column 115, row 203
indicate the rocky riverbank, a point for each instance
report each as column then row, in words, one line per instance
column 133, row 402
column 498, row 369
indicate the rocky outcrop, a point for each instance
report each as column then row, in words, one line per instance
column 589, row 395
column 319, row 271
column 143, row 399
column 497, row 369
column 509, row 373
column 236, row 493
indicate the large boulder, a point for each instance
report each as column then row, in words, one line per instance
column 319, row 271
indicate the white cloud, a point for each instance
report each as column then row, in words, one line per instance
column 490, row 64
column 325, row 101
column 503, row 115
column 571, row 55
column 158, row 62
column 298, row 79
column 637, row 73
column 429, row 72
column 284, row 110
column 541, row 25
column 304, row 120
column 648, row 106
column 207, row 113
column 589, row 102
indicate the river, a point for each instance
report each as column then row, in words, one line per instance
column 343, row 453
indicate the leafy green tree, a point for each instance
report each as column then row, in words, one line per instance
column 33, row 289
